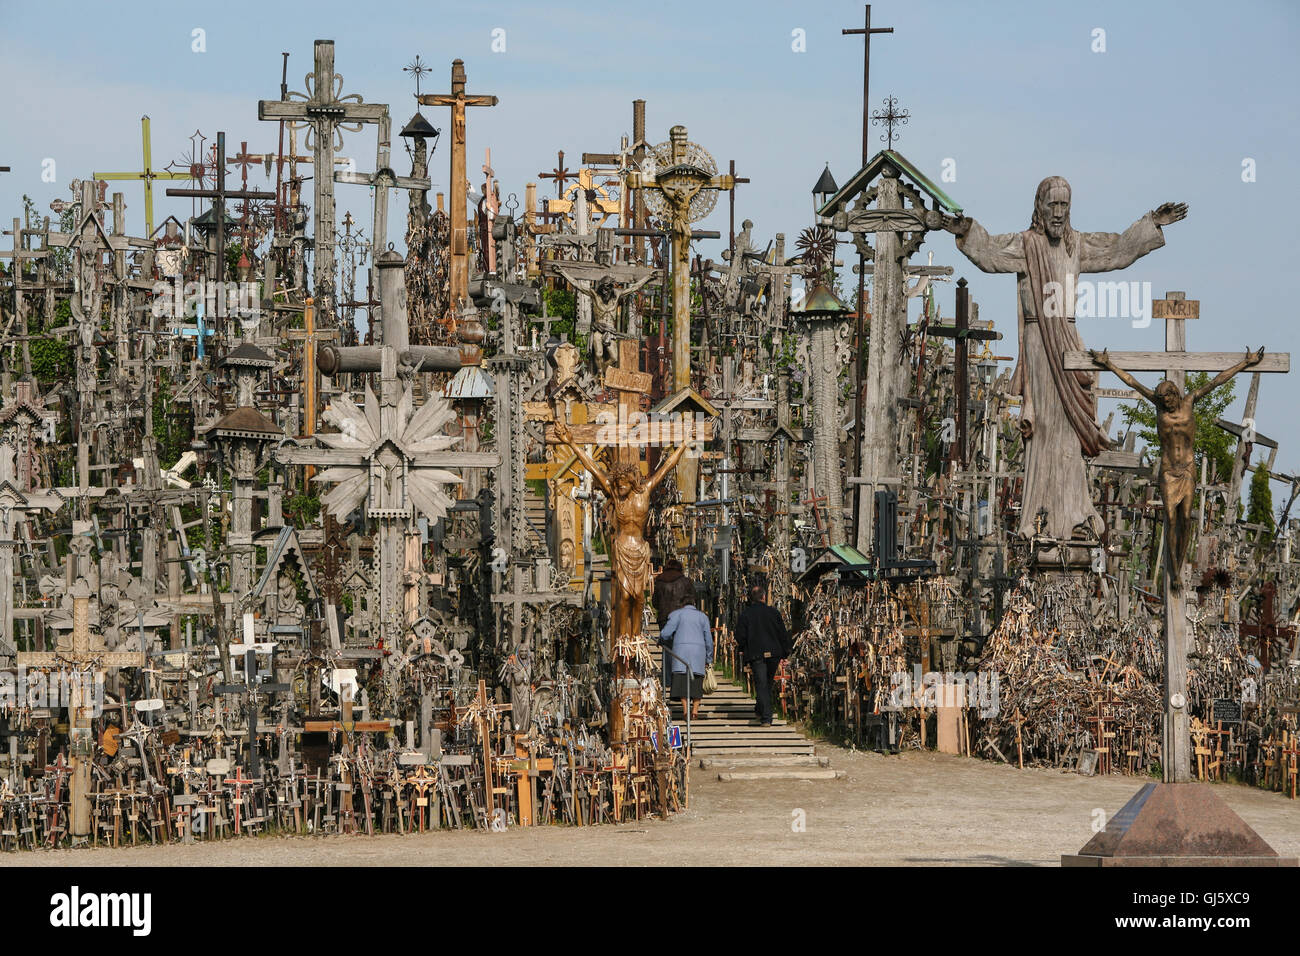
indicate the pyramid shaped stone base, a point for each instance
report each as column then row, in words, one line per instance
column 1176, row 824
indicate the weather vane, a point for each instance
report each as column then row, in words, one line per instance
column 416, row 69
column 891, row 116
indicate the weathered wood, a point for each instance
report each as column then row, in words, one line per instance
column 1180, row 362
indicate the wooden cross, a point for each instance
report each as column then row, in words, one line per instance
column 678, row 183
column 309, row 335
column 326, row 112
column 458, row 100
column 599, row 206
column 219, row 195
column 347, row 726
column 528, row 768
column 961, row 333
column 81, row 657
column 252, row 690
column 1176, row 310
column 147, row 175
column 381, row 180
column 240, row 782
column 731, row 200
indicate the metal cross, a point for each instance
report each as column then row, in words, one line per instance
column 866, row 32
column 561, row 174
column 417, row 69
column 891, row 116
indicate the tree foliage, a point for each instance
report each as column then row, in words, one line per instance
column 1259, row 508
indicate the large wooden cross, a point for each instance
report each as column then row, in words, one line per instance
column 381, row 180
column 326, row 112
column 147, row 175
column 1176, row 362
column 81, row 657
column 962, row 334
column 458, row 100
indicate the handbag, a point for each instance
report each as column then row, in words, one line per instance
column 710, row 680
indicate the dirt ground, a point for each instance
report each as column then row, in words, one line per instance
column 913, row 808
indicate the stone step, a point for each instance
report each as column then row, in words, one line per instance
column 810, row 774
column 726, row 752
column 766, row 760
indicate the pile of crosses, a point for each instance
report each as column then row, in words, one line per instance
column 289, row 543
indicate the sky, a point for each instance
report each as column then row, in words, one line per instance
column 1172, row 101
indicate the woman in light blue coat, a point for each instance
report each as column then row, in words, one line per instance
column 687, row 633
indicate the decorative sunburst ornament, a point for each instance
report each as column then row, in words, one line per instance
column 390, row 443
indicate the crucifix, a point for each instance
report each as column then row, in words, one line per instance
column 147, row 175
column 1176, row 426
column 86, row 663
column 328, row 114
column 458, row 100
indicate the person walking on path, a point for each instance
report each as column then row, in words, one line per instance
column 673, row 589
column 687, row 633
column 762, row 639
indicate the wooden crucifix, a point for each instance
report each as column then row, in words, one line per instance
column 83, row 660
column 1176, row 426
column 458, row 100
column 327, row 112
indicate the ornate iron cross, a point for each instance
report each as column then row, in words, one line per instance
column 891, row 116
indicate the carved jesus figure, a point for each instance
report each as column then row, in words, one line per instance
column 1058, row 415
column 1176, row 426
column 630, row 494
column 606, row 304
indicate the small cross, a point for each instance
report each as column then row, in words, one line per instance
column 561, row 174
column 417, row 69
column 891, row 116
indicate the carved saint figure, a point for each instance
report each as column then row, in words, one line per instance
column 1058, row 417
column 1176, row 426
column 630, row 494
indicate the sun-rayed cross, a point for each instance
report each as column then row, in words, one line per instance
column 417, row 69
column 890, row 116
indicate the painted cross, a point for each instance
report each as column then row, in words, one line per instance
column 146, row 175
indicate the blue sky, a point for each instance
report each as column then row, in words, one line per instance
column 1010, row 91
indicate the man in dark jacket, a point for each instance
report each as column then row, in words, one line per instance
column 763, row 640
